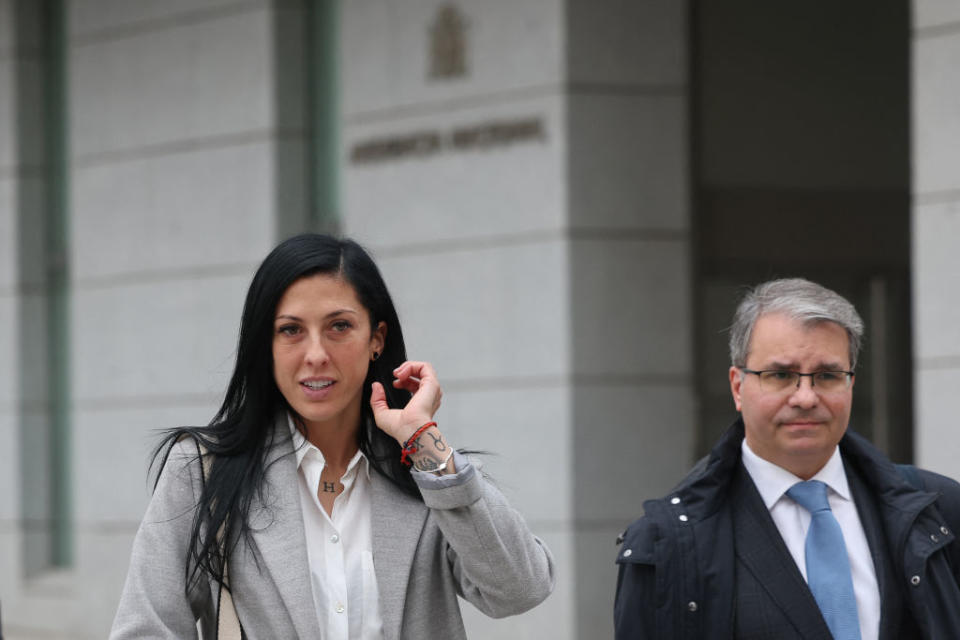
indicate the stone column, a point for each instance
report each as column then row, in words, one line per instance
column 519, row 171
column 454, row 175
column 936, row 231
column 632, row 397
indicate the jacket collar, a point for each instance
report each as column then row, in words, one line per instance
column 276, row 526
column 882, row 475
column 278, row 531
column 704, row 488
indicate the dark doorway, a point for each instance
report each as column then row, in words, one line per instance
column 801, row 168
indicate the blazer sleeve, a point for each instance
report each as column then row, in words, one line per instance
column 499, row 565
column 154, row 603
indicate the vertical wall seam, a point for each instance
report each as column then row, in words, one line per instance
column 323, row 113
column 58, row 272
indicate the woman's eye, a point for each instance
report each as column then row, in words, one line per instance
column 289, row 330
column 340, row 326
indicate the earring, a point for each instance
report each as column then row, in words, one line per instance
column 376, row 354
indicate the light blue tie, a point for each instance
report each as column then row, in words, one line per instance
column 828, row 568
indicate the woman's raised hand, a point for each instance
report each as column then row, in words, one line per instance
column 419, row 379
column 429, row 450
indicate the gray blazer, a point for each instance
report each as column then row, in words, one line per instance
column 463, row 539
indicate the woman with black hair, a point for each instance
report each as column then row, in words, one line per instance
column 294, row 513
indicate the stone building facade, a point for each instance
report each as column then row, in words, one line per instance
column 565, row 198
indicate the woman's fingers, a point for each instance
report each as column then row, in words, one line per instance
column 378, row 399
column 420, row 379
column 415, row 369
column 411, row 375
column 407, row 384
column 387, row 419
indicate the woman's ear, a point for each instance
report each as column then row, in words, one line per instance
column 377, row 339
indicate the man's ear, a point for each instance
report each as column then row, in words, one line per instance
column 736, row 379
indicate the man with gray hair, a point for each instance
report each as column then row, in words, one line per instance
column 794, row 527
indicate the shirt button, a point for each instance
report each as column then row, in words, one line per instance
column 334, row 538
column 627, row 553
column 674, row 500
column 340, row 608
column 934, row 537
column 683, row 518
column 915, row 580
column 944, row 530
column 691, row 606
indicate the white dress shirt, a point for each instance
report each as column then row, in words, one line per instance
column 793, row 520
column 339, row 548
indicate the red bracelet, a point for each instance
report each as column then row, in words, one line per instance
column 409, row 448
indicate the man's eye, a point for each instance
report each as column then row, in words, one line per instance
column 829, row 376
column 780, row 375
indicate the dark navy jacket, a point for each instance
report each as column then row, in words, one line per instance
column 678, row 564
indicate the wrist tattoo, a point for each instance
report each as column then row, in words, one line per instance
column 438, row 442
column 432, row 455
column 427, row 463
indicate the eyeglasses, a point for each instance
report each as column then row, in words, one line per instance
column 777, row 380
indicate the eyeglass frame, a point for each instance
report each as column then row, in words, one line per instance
column 800, row 376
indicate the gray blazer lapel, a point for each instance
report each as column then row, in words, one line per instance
column 397, row 523
column 761, row 549
column 278, row 532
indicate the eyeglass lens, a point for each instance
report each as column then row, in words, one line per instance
column 822, row 380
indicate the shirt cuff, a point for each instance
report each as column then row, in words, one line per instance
column 451, row 490
column 430, row 480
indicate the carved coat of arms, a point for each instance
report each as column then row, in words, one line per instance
column 448, row 46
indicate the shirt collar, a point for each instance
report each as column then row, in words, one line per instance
column 302, row 447
column 772, row 481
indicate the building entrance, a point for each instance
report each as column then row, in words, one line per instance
column 801, row 168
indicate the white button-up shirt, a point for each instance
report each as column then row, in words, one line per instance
column 793, row 520
column 339, row 547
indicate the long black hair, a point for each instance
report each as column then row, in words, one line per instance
column 239, row 437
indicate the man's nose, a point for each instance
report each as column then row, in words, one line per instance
column 804, row 395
